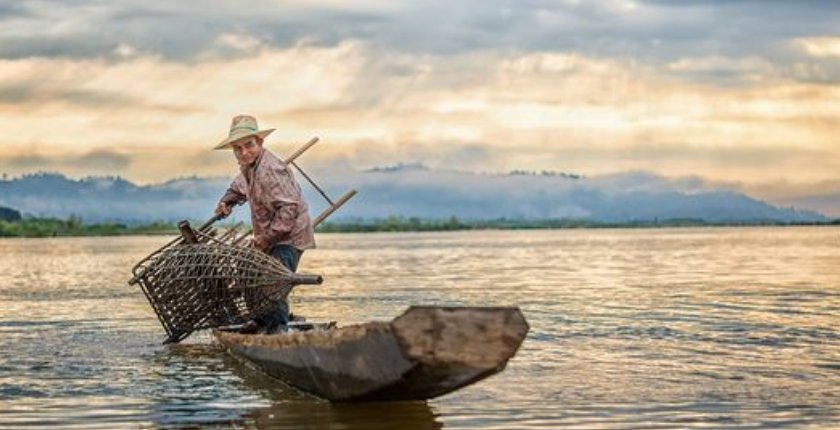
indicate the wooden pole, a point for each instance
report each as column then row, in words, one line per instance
column 300, row 151
column 314, row 185
column 239, row 239
column 333, row 207
column 230, row 234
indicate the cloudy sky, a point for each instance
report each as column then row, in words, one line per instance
column 729, row 90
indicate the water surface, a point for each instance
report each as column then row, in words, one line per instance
column 667, row 328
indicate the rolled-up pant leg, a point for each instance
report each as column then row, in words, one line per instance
column 289, row 256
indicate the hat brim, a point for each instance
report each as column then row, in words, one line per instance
column 227, row 143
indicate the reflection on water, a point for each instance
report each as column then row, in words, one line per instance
column 682, row 328
column 201, row 384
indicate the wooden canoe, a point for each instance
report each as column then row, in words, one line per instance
column 424, row 353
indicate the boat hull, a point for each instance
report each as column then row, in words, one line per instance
column 424, row 353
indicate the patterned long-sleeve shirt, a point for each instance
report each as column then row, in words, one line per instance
column 279, row 215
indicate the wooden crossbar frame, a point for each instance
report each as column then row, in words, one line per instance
column 334, row 205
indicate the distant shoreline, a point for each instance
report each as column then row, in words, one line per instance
column 397, row 224
column 73, row 227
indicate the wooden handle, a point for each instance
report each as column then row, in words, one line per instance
column 333, row 207
column 294, row 280
column 187, row 232
column 297, row 279
column 302, row 149
column 210, row 222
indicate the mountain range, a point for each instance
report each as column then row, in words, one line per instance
column 411, row 191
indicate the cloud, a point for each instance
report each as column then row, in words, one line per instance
column 821, row 46
column 38, row 91
column 486, row 111
column 700, row 86
column 99, row 161
column 657, row 31
column 141, row 101
column 721, row 67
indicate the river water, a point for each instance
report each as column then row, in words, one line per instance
column 663, row 328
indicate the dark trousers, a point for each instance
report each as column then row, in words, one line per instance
column 289, row 256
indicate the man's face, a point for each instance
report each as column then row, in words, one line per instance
column 247, row 151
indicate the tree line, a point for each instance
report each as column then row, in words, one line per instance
column 13, row 224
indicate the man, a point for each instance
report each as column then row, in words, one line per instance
column 279, row 215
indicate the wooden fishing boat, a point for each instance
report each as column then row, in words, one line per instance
column 424, row 353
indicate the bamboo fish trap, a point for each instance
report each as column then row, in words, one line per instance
column 204, row 280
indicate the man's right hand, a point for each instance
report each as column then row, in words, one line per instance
column 223, row 209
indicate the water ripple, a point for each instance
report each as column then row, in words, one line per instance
column 682, row 328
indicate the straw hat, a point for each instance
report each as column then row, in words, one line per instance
column 243, row 126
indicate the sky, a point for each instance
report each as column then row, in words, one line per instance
column 733, row 91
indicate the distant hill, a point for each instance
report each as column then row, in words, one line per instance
column 105, row 199
column 9, row 214
column 411, row 191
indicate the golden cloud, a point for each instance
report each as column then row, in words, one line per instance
column 538, row 110
column 821, row 46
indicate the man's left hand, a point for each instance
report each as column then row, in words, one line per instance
column 260, row 244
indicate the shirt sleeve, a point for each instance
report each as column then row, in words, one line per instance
column 235, row 194
column 284, row 201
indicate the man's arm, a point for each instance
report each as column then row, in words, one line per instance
column 235, row 195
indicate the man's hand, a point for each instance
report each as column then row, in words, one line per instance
column 260, row 244
column 223, row 209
